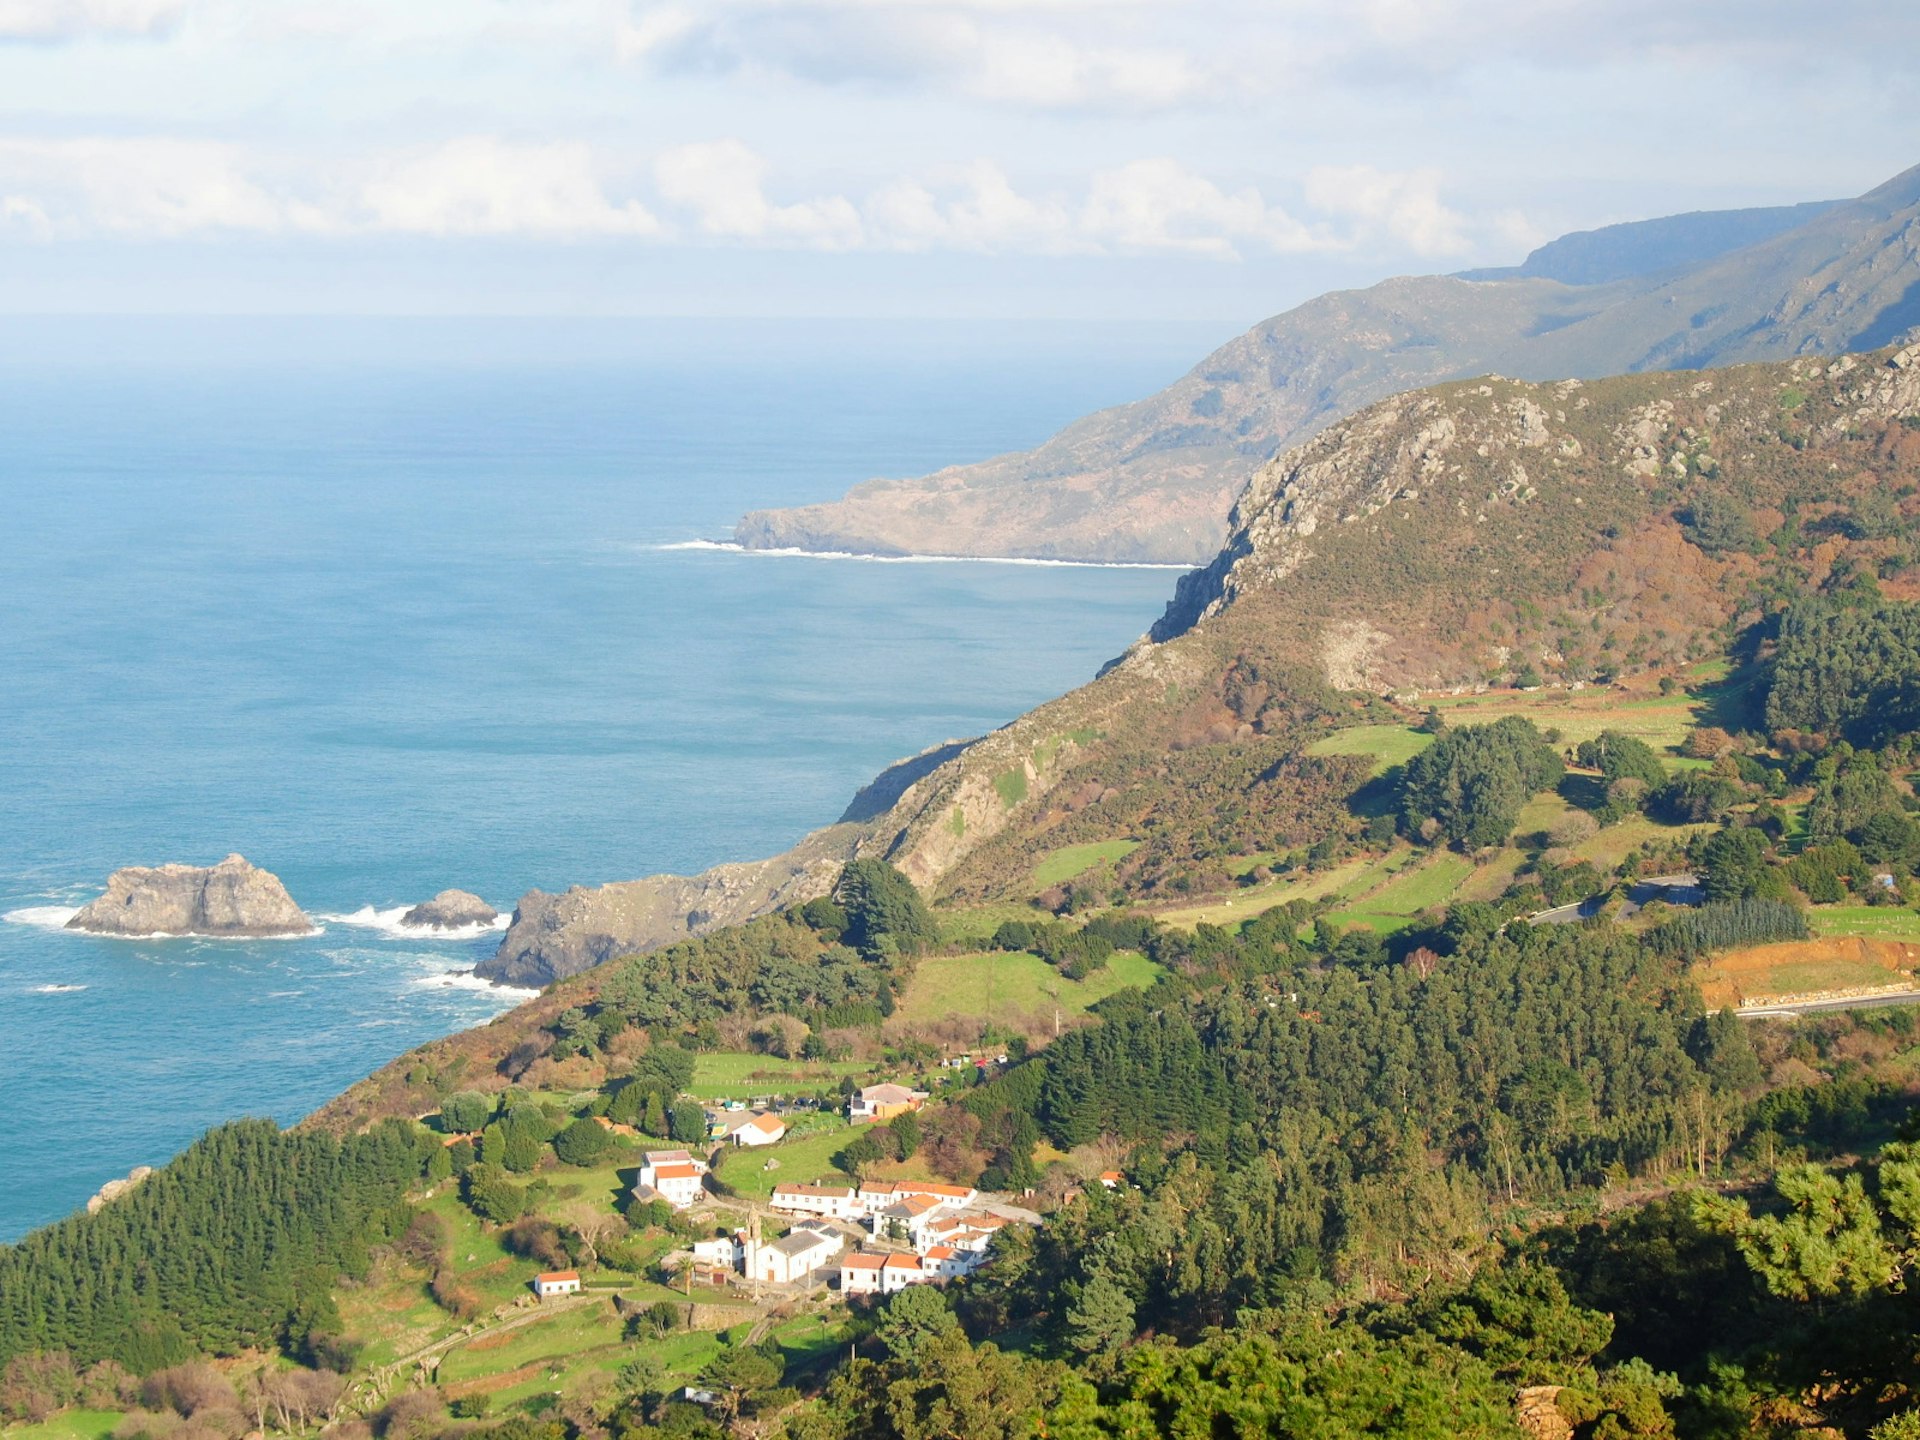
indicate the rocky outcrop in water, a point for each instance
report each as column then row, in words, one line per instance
column 450, row 910
column 233, row 898
column 553, row 936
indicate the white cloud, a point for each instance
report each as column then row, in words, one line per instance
column 49, row 20
column 1404, row 204
column 722, row 185
column 151, row 187
column 483, row 186
column 975, row 207
column 1159, row 205
column 712, row 191
column 1046, row 57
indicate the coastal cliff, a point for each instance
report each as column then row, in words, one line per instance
column 233, row 898
column 1154, row 480
column 1435, row 539
column 553, row 936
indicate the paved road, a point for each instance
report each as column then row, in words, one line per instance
column 1845, row 1002
column 1682, row 889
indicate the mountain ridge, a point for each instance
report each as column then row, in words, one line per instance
column 1152, row 480
column 1434, row 541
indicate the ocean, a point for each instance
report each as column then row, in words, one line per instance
column 391, row 607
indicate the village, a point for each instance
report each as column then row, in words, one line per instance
column 874, row 1238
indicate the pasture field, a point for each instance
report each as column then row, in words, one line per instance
column 1070, row 862
column 800, row 1161
column 1009, row 986
column 1870, row 922
column 69, row 1425
column 1661, row 720
column 1389, row 745
column 735, row 1075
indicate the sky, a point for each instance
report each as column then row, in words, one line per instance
column 1079, row 159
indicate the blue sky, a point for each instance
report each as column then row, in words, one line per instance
column 1078, row 158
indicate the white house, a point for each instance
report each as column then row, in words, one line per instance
column 755, row 1129
column 876, row 1194
column 907, row 1218
column 836, row 1202
column 553, row 1283
column 899, row 1271
column 721, row 1250
column 971, row 1233
column 792, row 1257
column 673, row 1176
column 860, row 1273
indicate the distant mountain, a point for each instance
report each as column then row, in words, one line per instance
column 1645, row 247
column 1153, row 480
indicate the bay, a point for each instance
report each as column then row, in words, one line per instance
column 395, row 606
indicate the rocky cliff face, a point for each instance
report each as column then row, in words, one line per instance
column 553, row 936
column 231, row 898
column 1153, row 481
column 1433, row 540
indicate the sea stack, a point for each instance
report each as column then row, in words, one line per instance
column 232, row 898
column 450, row 910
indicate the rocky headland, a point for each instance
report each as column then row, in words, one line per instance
column 1154, row 480
column 233, row 898
column 450, row 910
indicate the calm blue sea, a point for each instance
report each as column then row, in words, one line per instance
column 393, row 607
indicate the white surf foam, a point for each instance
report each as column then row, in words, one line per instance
column 387, row 922
column 467, row 980
column 731, row 547
column 47, row 917
column 57, row 989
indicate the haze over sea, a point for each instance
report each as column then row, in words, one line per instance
column 391, row 607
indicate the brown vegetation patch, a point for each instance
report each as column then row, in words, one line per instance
column 1850, row 962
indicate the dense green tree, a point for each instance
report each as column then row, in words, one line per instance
column 881, row 903
column 1622, row 757
column 1734, row 866
column 231, row 1246
column 583, row 1143
column 492, row 1196
column 466, row 1111
column 1469, row 785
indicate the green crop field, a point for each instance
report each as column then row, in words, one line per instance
column 68, row 1425
column 1414, row 889
column 1873, row 922
column 1422, row 888
column 1008, row 986
column 1661, row 720
column 1389, row 745
column 794, row 1162
column 1247, row 903
column 732, row 1075
column 1071, row 861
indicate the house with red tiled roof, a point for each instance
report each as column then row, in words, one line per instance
column 552, row 1283
column 860, row 1273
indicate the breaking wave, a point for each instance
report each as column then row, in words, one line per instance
column 387, row 922
column 794, row 552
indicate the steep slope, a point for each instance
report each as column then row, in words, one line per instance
column 1440, row 540
column 1646, row 247
column 1154, row 480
